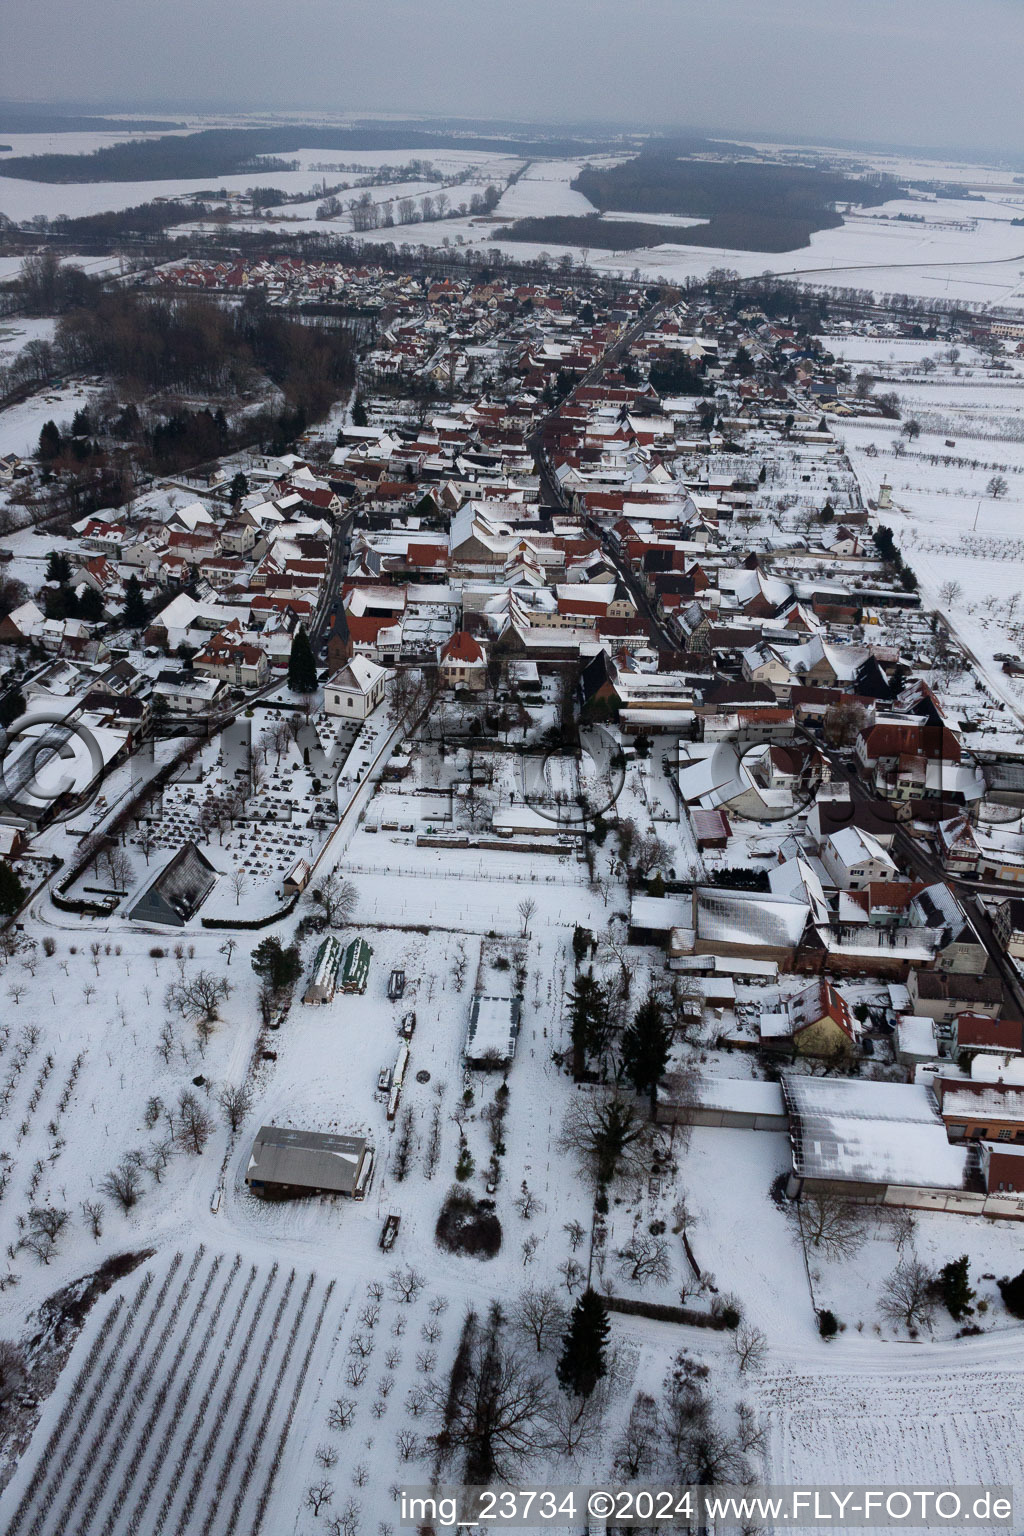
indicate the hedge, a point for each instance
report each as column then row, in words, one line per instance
column 255, row 922
column 662, row 1313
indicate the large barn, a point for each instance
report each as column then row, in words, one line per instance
column 286, row 1164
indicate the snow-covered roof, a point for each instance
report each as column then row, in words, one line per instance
column 856, row 1131
column 741, row 917
column 915, row 1037
column 360, row 675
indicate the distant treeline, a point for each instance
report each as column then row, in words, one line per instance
column 732, row 232
column 24, row 120
column 142, row 219
column 750, row 207
column 232, row 151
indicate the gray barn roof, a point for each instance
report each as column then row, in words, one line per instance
column 306, row 1160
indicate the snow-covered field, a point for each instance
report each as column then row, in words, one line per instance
column 923, row 1423
column 952, row 530
column 20, row 425
column 983, row 261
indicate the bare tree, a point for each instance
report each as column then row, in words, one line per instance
column 831, row 1224
column 997, row 486
column 408, row 1444
column 910, row 1294
column 529, row 1247
column 645, row 1257
column 637, row 1448
column 527, row 907
column 238, row 880
column 228, row 948
column 120, row 866
column 901, row 1224
column 406, row 1284
column 526, row 1202
column 538, row 1314
column 341, row 1413
column 234, row 1101
column 123, row 1184
column 157, row 1157
column 326, row 1457
column 319, row 1495
column 92, row 1215
column 336, row 898
column 346, row 1523
column 575, row 1423
column 751, row 1431
column 608, row 1132
column 194, row 1124
column 494, row 1410
column 199, row 996
column 576, row 1232
column 751, row 1346
column 950, row 592
column 573, row 1274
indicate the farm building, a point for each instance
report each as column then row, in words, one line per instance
column 178, row 891
column 286, row 1164
column 355, row 966
column 723, row 1101
column 323, row 979
column 881, row 1143
column 493, row 1031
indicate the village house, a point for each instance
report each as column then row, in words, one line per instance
column 855, row 859
column 234, row 660
column 462, row 662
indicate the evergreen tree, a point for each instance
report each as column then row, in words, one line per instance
column 588, row 1013
column 580, row 944
column 359, row 416
column 274, row 964
column 645, row 1046
column 58, row 567
column 135, row 611
column 90, row 606
column 81, row 425
column 49, row 441
column 956, row 1292
column 12, row 706
column 1012, row 1292
column 301, row 665
column 12, row 892
column 582, row 1361
column 238, row 488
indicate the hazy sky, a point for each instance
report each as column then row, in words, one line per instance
column 938, row 72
